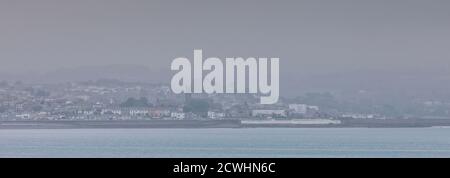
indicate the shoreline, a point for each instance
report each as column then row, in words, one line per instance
column 195, row 124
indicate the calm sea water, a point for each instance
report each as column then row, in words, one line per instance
column 267, row 142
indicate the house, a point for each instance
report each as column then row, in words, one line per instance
column 23, row 116
column 138, row 112
column 178, row 115
column 268, row 113
column 302, row 108
column 159, row 113
column 111, row 112
column 215, row 115
column 298, row 108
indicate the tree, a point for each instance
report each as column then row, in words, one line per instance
column 132, row 102
column 198, row 106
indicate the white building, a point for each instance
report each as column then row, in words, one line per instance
column 178, row 115
column 111, row 111
column 302, row 108
column 313, row 108
column 159, row 113
column 359, row 116
column 138, row 112
column 23, row 116
column 298, row 108
column 268, row 113
column 215, row 115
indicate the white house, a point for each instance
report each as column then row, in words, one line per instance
column 23, row 116
column 138, row 112
column 215, row 115
column 111, row 111
column 298, row 108
column 302, row 108
column 268, row 113
column 178, row 115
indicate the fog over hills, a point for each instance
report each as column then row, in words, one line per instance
column 390, row 47
column 132, row 73
column 387, row 83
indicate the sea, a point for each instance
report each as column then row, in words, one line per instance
column 227, row 143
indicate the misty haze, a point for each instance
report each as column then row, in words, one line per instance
column 392, row 51
column 347, row 64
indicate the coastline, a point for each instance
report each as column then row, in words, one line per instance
column 153, row 124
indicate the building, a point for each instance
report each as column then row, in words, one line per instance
column 111, row 112
column 359, row 116
column 269, row 113
column 178, row 115
column 23, row 116
column 298, row 108
column 302, row 108
column 138, row 112
column 159, row 113
column 216, row 115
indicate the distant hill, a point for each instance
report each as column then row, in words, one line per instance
column 131, row 73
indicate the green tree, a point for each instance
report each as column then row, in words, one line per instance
column 198, row 106
column 132, row 102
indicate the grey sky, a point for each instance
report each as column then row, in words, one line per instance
column 320, row 43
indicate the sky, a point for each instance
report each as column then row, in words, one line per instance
column 322, row 44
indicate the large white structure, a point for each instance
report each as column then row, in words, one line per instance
column 359, row 116
column 295, row 121
column 268, row 113
column 302, row 108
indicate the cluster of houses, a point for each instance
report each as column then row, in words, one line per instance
column 118, row 113
column 97, row 101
